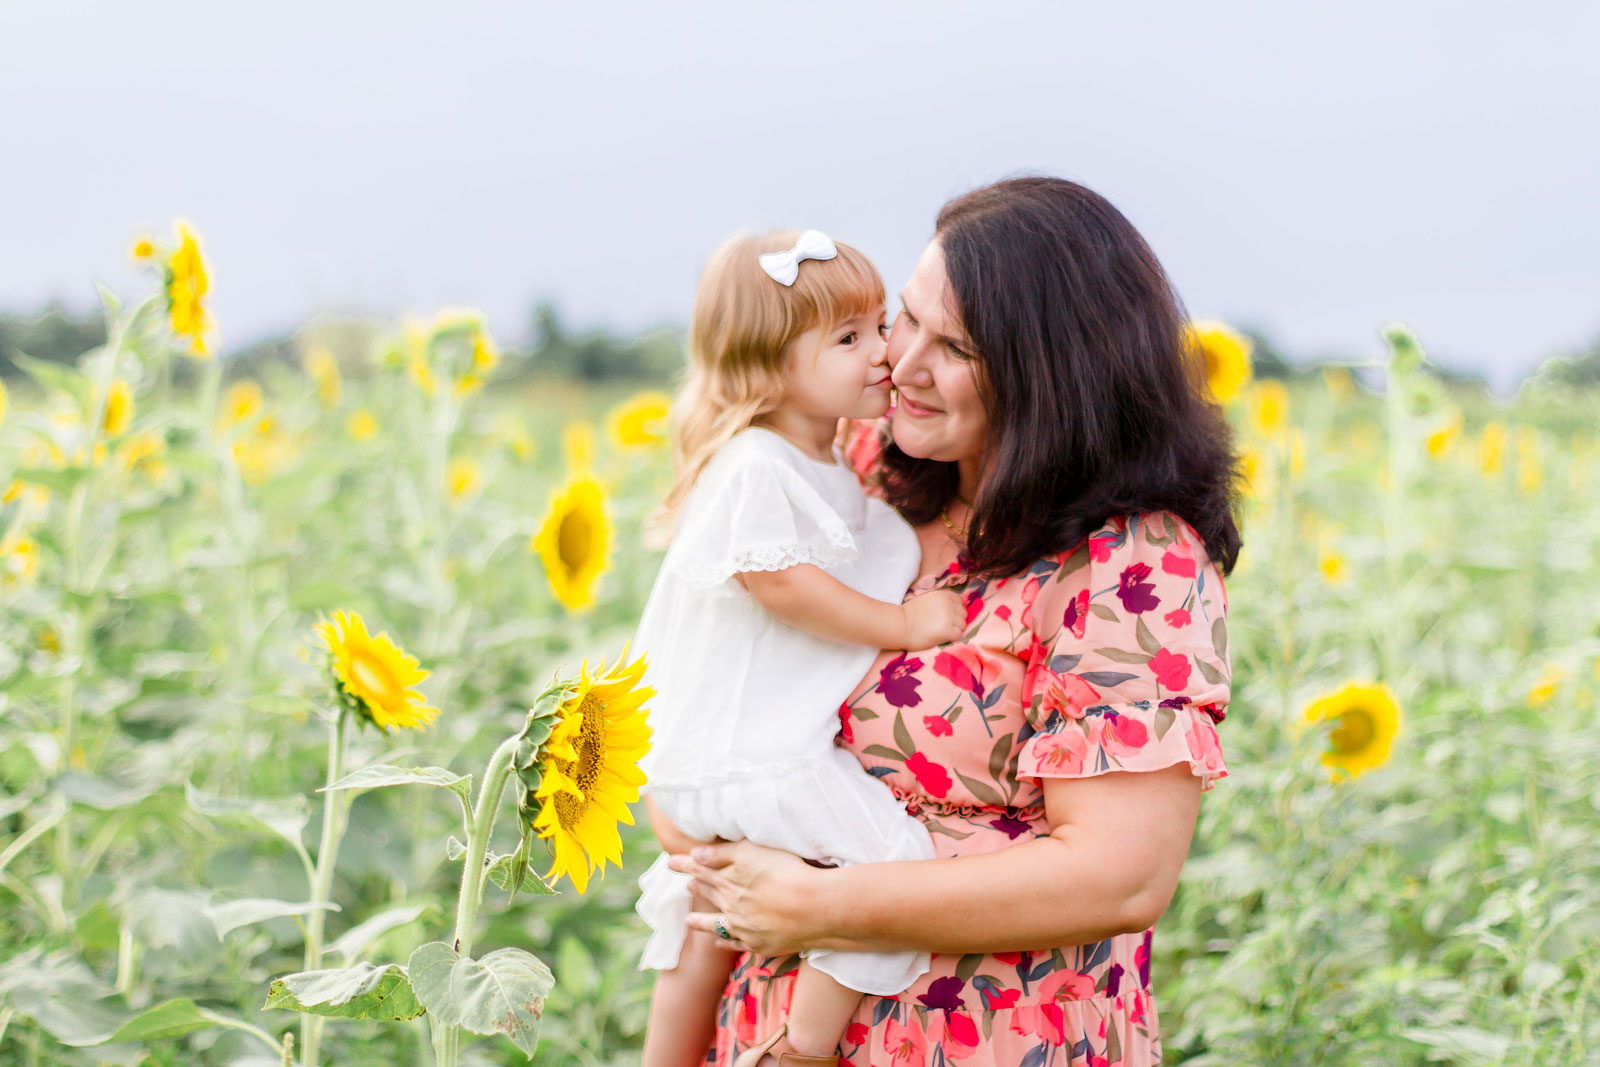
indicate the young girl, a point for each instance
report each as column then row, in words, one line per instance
column 782, row 582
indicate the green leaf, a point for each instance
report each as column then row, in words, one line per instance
column 365, row 991
column 95, row 792
column 236, row 913
column 1101, row 611
column 984, row 792
column 1146, row 639
column 62, row 481
column 284, row 816
column 1207, row 671
column 172, row 1018
column 384, row 774
column 1219, row 637
column 1116, row 655
column 503, row 993
column 999, row 755
column 902, row 736
column 62, row 376
column 884, row 752
column 1165, row 717
column 355, row 940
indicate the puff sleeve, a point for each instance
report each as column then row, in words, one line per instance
column 751, row 510
column 1128, row 664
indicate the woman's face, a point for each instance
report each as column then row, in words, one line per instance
column 935, row 372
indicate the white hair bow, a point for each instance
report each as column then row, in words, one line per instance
column 784, row 267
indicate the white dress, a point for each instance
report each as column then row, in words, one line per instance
column 746, row 706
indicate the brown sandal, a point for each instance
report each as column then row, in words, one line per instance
column 751, row 1057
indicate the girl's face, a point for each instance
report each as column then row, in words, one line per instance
column 839, row 371
column 940, row 413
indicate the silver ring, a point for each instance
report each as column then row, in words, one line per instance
column 720, row 925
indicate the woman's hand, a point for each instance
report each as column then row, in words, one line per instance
column 762, row 894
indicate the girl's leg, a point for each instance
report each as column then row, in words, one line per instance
column 683, row 1007
column 818, row 1015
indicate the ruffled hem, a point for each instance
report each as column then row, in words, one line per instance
column 708, row 574
column 888, row 1033
column 1125, row 737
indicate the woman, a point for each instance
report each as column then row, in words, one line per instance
column 1054, row 447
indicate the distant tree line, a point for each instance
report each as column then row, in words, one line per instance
column 552, row 349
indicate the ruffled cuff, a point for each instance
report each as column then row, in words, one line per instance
column 1126, row 737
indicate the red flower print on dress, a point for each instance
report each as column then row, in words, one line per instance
column 963, row 666
column 905, row 1043
column 1067, row 694
column 974, row 607
column 863, row 451
column 1170, row 668
column 1040, row 1020
column 1123, row 734
column 937, row 725
column 1006, row 998
column 898, row 681
column 845, row 730
column 1101, row 544
column 1179, row 559
column 1203, row 744
column 933, row 777
column 1066, row 985
column 1136, row 594
column 954, row 1033
column 856, row 1034
column 749, row 1011
column 1030, row 593
column 1063, row 752
column 1003, row 613
column 1177, row 618
column 1076, row 617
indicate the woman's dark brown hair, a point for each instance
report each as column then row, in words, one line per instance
column 1095, row 409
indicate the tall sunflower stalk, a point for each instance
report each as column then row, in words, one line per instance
column 372, row 680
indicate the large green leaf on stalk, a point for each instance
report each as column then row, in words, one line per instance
column 354, row 941
column 384, row 774
column 169, row 1019
column 61, row 995
column 503, row 993
column 284, row 816
column 365, row 991
column 97, row 792
column 63, row 376
column 174, row 918
column 231, row 915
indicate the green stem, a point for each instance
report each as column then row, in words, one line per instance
column 447, row 1039
column 327, row 856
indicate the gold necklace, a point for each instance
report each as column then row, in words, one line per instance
column 944, row 513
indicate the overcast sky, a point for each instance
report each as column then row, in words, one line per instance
column 1313, row 170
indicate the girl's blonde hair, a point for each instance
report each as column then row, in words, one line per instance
column 743, row 319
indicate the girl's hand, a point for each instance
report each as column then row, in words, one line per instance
column 934, row 618
column 764, row 896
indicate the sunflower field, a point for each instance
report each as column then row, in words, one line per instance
column 319, row 728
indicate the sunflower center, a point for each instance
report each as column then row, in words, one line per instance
column 574, row 539
column 1213, row 365
column 585, row 770
column 1355, row 731
column 372, row 674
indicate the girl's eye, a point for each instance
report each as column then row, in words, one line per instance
column 848, row 339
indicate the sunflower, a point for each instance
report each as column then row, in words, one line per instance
column 1226, row 357
column 586, row 771
column 362, row 425
column 462, row 479
column 1442, row 438
column 324, row 371
column 1492, row 448
column 572, row 542
column 372, row 675
column 640, row 422
column 188, row 281
column 119, row 409
column 242, row 400
column 1269, row 408
column 1545, row 687
column 1366, row 718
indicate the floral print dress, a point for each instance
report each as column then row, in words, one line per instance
column 1111, row 656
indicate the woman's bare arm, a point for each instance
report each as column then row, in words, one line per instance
column 1109, row 866
column 811, row 599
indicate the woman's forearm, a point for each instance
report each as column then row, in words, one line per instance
column 1086, row 881
column 1030, row 895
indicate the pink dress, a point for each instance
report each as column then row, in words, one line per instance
column 1111, row 656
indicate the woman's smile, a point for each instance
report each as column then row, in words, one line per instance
column 916, row 410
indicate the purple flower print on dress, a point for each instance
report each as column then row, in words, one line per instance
column 1136, row 594
column 1009, row 825
column 898, row 681
column 1141, row 958
column 1114, row 980
column 944, row 993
